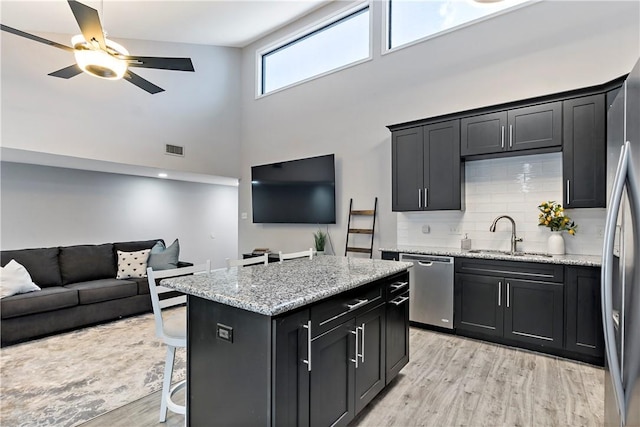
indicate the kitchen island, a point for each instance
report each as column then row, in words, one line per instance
column 305, row 342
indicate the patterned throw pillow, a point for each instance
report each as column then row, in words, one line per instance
column 132, row 264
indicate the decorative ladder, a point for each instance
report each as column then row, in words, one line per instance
column 369, row 231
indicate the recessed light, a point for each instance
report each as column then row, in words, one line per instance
column 162, row 175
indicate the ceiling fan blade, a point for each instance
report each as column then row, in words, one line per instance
column 178, row 64
column 67, row 72
column 89, row 22
column 142, row 83
column 34, row 38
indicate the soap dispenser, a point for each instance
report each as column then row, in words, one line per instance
column 465, row 243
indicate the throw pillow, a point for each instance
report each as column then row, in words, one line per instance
column 132, row 264
column 15, row 279
column 164, row 258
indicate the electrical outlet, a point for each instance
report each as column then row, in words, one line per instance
column 600, row 232
column 426, row 229
column 243, row 215
column 455, row 229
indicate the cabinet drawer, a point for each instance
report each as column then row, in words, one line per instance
column 397, row 286
column 512, row 269
column 331, row 313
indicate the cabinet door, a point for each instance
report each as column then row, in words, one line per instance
column 370, row 371
column 478, row 304
column 584, row 315
column 584, row 152
column 291, row 373
column 332, row 383
column 483, row 134
column 397, row 345
column 442, row 166
column 534, row 312
column 536, row 126
column 407, row 170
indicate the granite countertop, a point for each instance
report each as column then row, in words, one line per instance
column 276, row 288
column 579, row 260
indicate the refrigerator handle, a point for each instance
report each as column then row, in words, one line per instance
column 607, row 279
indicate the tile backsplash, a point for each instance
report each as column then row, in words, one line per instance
column 513, row 186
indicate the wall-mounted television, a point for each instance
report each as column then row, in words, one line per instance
column 295, row 192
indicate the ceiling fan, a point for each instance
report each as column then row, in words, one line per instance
column 100, row 57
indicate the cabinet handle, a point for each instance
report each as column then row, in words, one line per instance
column 426, row 197
column 567, row 192
column 499, row 293
column 398, row 285
column 419, row 198
column 356, row 358
column 360, row 303
column 308, row 361
column 362, row 346
column 399, row 300
column 508, row 287
column 510, row 135
column 502, row 137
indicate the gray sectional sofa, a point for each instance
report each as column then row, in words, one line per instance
column 78, row 288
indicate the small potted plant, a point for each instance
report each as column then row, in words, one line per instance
column 320, row 239
column 552, row 216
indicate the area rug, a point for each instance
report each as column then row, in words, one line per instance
column 68, row 379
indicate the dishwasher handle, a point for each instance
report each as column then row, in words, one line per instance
column 426, row 260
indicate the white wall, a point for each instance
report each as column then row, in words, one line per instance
column 91, row 118
column 548, row 47
column 514, row 186
column 46, row 206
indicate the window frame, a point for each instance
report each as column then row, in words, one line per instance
column 306, row 32
column 386, row 25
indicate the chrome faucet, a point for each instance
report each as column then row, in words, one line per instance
column 514, row 239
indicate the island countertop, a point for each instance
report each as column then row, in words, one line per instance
column 277, row 288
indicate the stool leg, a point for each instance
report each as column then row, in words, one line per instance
column 166, row 382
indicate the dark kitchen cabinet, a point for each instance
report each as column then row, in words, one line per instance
column 534, row 312
column 291, row 379
column 331, row 359
column 583, row 327
column 494, row 299
column 397, row 336
column 478, row 304
column 584, row 152
column 370, row 369
column 426, row 167
column 518, row 129
column 332, row 384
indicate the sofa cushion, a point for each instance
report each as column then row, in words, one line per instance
column 143, row 284
column 48, row 299
column 135, row 246
column 42, row 264
column 164, row 258
column 15, row 279
column 104, row 290
column 83, row 263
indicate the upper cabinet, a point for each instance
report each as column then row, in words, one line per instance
column 426, row 167
column 525, row 128
column 584, row 152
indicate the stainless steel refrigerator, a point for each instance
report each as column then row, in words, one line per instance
column 621, row 258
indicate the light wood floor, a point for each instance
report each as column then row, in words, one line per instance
column 454, row 381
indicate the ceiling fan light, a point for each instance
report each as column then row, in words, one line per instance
column 97, row 62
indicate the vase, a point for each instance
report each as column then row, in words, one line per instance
column 555, row 244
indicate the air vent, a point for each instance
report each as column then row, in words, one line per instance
column 174, row 150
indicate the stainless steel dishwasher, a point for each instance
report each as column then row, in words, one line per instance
column 431, row 286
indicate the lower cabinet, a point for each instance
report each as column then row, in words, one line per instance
column 397, row 335
column 325, row 377
column 498, row 303
column 584, row 314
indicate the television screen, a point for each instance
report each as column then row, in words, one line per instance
column 295, row 192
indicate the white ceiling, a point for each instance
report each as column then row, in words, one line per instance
column 233, row 23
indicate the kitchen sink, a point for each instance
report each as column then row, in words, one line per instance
column 497, row 252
